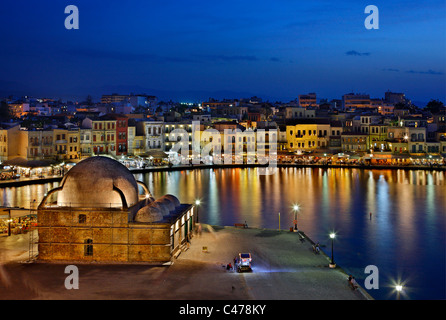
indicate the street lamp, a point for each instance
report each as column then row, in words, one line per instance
column 295, row 209
column 398, row 289
column 332, row 264
column 197, row 204
column 9, row 226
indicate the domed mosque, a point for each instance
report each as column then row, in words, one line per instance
column 98, row 214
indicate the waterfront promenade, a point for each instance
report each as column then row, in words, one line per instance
column 35, row 180
column 284, row 268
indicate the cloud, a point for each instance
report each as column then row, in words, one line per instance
column 391, row 69
column 431, row 72
column 226, row 58
column 274, row 59
column 356, row 53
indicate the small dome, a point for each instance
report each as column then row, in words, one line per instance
column 173, row 199
column 166, row 202
column 148, row 213
column 98, row 182
column 161, row 207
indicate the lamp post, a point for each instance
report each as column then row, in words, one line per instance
column 197, row 203
column 295, row 209
column 398, row 289
column 9, row 224
column 332, row 264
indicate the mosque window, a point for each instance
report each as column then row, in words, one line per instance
column 88, row 247
column 82, row 218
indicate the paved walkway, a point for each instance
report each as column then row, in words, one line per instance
column 283, row 269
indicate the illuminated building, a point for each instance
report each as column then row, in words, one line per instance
column 97, row 214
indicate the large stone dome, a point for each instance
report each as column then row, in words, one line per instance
column 98, row 182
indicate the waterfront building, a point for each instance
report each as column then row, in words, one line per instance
column 417, row 140
column 131, row 133
column 121, row 133
column 106, row 134
column 282, row 138
column 355, row 142
column 378, row 137
column 136, row 138
column 308, row 135
column 432, row 148
column 60, row 143
column 154, row 134
column 66, row 143
column 335, row 141
column 13, row 142
column 85, row 143
column 398, row 139
column 98, row 214
column 73, row 144
column 177, row 132
column 443, row 146
column 40, row 144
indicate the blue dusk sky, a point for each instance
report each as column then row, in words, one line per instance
column 196, row 49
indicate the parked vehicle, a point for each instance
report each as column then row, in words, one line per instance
column 244, row 262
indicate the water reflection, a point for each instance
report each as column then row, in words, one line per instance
column 23, row 196
column 405, row 235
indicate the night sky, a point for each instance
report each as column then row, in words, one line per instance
column 196, row 49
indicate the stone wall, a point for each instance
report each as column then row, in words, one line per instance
column 113, row 239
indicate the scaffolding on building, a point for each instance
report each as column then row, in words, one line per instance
column 33, row 233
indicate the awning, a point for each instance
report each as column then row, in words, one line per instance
column 426, row 156
column 22, row 162
column 156, row 154
column 323, row 154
